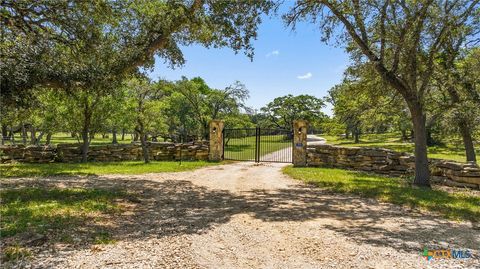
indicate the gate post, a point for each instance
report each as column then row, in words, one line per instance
column 300, row 143
column 215, row 148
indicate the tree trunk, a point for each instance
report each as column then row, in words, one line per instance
column 4, row 133
column 114, row 136
column 135, row 136
column 86, row 132
column 465, row 130
column 356, row 135
column 422, row 173
column 39, row 138
column 430, row 141
column 462, row 122
column 24, row 134
column 12, row 137
column 140, row 130
column 73, row 134
column 33, row 135
column 404, row 135
column 467, row 140
column 123, row 134
column 49, row 138
column 85, row 143
column 346, row 133
column 143, row 140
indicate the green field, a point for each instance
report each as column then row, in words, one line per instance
column 127, row 168
column 60, row 138
column 244, row 148
column 56, row 215
column 457, row 205
column 453, row 150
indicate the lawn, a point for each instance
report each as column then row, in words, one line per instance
column 244, row 148
column 129, row 168
column 60, row 138
column 453, row 150
column 458, row 206
column 31, row 215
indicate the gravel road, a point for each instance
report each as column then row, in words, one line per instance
column 244, row 215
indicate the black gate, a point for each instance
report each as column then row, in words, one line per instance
column 258, row 144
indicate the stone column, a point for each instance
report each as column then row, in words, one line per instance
column 300, row 143
column 215, row 150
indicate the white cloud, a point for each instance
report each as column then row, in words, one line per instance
column 273, row 53
column 306, row 76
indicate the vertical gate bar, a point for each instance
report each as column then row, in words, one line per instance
column 271, row 145
column 256, row 143
column 282, row 152
column 258, row 147
column 266, row 149
column 255, row 147
column 259, row 144
column 291, row 135
column 265, row 143
column 281, row 141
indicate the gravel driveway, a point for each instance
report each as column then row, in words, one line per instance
column 244, row 215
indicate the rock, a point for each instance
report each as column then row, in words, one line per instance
column 387, row 162
column 450, row 165
column 472, row 180
column 104, row 153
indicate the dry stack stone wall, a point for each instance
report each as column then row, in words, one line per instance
column 27, row 154
column 164, row 151
column 388, row 162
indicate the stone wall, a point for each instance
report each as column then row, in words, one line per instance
column 388, row 162
column 165, row 151
column 28, row 154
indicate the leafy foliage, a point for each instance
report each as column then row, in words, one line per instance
column 282, row 111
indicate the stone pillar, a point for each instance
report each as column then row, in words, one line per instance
column 215, row 150
column 300, row 143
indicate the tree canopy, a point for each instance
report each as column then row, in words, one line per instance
column 282, row 111
column 401, row 40
column 69, row 43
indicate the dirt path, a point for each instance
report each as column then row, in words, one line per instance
column 283, row 155
column 315, row 140
column 252, row 216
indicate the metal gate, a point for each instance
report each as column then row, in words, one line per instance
column 258, row 144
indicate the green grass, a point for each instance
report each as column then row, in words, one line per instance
column 15, row 252
column 453, row 150
column 53, row 211
column 104, row 238
column 55, row 215
column 129, row 168
column 459, row 206
column 61, row 138
column 244, row 148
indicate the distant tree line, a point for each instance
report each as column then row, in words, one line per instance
column 177, row 111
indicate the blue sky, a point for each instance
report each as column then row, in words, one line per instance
column 285, row 62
